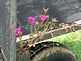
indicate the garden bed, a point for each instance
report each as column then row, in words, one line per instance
column 58, row 32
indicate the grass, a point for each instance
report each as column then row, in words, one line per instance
column 71, row 40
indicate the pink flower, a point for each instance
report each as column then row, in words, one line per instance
column 43, row 17
column 31, row 19
column 17, row 31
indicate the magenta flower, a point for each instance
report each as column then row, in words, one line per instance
column 31, row 19
column 43, row 17
column 17, row 31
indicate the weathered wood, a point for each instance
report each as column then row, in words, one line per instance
column 62, row 31
column 56, row 32
column 8, row 24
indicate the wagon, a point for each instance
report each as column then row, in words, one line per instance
column 66, row 11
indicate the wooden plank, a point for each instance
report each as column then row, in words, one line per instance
column 56, row 32
column 8, row 24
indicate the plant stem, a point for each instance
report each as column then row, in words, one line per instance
column 35, row 28
column 20, row 42
column 31, row 31
column 46, row 25
column 52, row 35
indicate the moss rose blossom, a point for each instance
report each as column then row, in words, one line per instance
column 43, row 17
column 31, row 19
column 17, row 31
